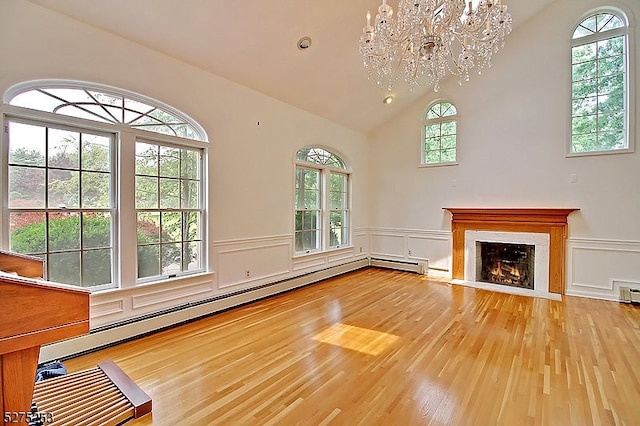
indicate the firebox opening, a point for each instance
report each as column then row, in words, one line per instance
column 505, row 263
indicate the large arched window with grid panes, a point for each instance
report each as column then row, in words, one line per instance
column 95, row 176
column 439, row 144
column 600, row 114
column 322, row 200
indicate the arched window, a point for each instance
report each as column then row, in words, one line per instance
column 322, row 211
column 599, row 84
column 439, row 143
column 64, row 201
column 105, row 104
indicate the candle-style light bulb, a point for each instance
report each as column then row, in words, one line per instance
column 368, row 19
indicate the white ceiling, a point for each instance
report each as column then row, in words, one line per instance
column 254, row 43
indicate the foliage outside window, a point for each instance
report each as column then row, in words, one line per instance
column 440, row 134
column 322, row 211
column 599, row 84
column 168, row 209
column 61, row 191
column 59, row 199
column 307, row 209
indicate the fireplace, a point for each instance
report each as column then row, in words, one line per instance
column 544, row 228
column 511, row 262
column 505, row 263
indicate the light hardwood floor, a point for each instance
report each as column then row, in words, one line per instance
column 379, row 347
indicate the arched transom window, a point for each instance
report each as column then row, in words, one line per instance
column 100, row 104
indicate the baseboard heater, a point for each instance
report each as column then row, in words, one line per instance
column 418, row 268
column 629, row 295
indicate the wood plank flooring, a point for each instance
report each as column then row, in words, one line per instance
column 380, row 347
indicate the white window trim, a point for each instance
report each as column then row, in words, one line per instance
column 631, row 122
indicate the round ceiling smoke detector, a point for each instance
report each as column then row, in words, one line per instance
column 304, row 43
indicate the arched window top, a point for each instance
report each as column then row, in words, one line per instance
column 598, row 23
column 320, row 156
column 441, row 110
column 105, row 104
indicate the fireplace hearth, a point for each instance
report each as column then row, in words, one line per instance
column 505, row 263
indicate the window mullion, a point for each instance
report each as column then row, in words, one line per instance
column 126, row 267
column 325, row 189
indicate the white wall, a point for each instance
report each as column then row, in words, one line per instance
column 251, row 165
column 513, row 127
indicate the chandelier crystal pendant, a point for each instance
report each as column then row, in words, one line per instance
column 429, row 38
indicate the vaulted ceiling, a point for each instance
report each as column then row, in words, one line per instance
column 254, row 43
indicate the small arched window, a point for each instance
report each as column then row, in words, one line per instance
column 439, row 144
column 599, row 84
column 322, row 201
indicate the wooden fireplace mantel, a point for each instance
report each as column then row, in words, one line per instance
column 552, row 221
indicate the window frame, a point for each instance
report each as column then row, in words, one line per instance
column 629, row 101
column 163, row 209
column 124, row 268
column 79, row 210
column 440, row 120
column 324, row 171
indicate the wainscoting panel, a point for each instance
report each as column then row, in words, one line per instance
column 238, row 266
column 166, row 296
column 361, row 243
column 388, row 244
column 105, row 309
column 596, row 268
column 432, row 247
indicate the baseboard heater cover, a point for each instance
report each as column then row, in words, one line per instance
column 418, row 268
column 629, row 295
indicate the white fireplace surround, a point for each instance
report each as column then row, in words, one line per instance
column 541, row 266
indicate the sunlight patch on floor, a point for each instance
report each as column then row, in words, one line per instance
column 355, row 338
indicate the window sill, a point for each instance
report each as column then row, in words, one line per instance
column 177, row 280
column 595, row 153
column 428, row 166
column 322, row 252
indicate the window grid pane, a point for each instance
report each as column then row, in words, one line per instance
column 339, row 215
column 599, row 87
column 440, row 143
column 169, row 212
column 60, row 207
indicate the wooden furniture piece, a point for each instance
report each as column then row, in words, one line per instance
column 36, row 312
column 552, row 221
column 104, row 395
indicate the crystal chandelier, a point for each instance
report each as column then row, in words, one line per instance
column 429, row 38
